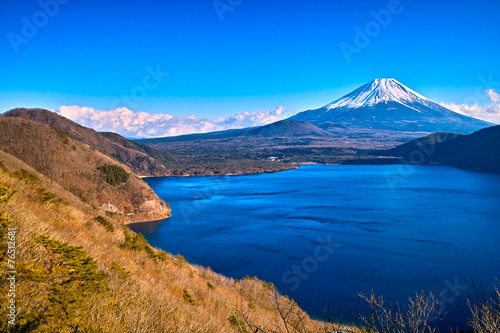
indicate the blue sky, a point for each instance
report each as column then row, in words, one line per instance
column 230, row 56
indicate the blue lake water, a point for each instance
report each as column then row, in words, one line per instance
column 322, row 234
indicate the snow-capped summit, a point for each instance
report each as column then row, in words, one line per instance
column 379, row 91
column 386, row 104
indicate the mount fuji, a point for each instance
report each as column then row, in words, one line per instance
column 386, row 104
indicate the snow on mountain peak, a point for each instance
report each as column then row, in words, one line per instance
column 379, row 91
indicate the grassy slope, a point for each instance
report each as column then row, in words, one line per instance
column 74, row 164
column 139, row 291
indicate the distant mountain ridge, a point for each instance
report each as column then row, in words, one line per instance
column 280, row 128
column 386, row 104
column 477, row 151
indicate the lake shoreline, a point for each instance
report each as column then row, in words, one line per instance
column 293, row 167
column 163, row 214
column 148, row 221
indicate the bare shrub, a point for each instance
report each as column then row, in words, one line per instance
column 412, row 318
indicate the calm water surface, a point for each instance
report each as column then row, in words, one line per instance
column 324, row 233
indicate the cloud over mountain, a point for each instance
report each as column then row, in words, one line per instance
column 489, row 113
column 145, row 125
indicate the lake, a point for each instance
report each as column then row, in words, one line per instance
column 322, row 233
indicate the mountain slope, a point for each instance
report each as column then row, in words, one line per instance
column 286, row 127
column 277, row 129
column 142, row 159
column 386, row 104
column 75, row 165
column 477, row 151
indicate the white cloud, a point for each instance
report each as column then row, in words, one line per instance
column 145, row 125
column 495, row 97
column 248, row 119
column 489, row 113
column 280, row 110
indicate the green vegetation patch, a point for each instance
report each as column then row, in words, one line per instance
column 3, row 167
column 70, row 278
column 6, row 192
column 122, row 272
column 62, row 134
column 26, row 176
column 49, row 198
column 162, row 255
column 187, row 297
column 105, row 223
column 4, row 231
column 137, row 242
column 74, row 265
column 238, row 323
column 113, row 174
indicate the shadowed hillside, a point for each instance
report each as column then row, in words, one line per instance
column 477, row 151
column 87, row 173
column 142, row 159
